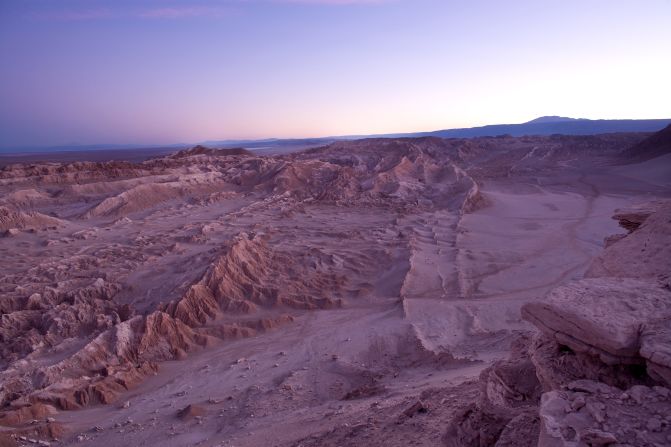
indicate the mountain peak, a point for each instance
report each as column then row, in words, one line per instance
column 553, row 119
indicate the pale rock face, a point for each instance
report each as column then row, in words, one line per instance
column 603, row 317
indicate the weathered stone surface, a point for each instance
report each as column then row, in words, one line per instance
column 555, row 366
column 521, row 431
column 417, row 407
column 656, row 348
column 632, row 218
column 612, row 331
column 476, row 426
column 17, row 219
column 511, row 383
column 191, row 411
column 506, row 413
column 601, row 317
column 592, row 413
column 645, row 252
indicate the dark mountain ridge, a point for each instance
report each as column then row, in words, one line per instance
column 545, row 126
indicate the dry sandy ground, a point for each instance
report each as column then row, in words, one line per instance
column 399, row 287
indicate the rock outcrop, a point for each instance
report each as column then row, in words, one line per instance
column 603, row 353
column 598, row 371
column 644, row 253
column 16, row 219
column 246, row 278
column 506, row 414
column 591, row 413
column 242, row 281
column 604, row 318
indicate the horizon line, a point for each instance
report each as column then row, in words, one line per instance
column 121, row 146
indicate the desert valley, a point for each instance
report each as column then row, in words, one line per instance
column 493, row 291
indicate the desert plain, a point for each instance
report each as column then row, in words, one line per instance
column 507, row 291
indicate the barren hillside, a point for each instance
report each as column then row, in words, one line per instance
column 372, row 292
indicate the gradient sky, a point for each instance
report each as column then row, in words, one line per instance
column 154, row 72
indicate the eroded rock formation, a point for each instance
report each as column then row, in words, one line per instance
column 113, row 269
column 598, row 372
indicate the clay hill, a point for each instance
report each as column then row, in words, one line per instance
column 495, row 291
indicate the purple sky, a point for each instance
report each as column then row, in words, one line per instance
column 153, row 72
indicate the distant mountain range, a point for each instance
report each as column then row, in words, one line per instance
column 545, row 125
column 549, row 125
column 554, row 119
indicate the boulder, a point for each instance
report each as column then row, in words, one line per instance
column 190, row 412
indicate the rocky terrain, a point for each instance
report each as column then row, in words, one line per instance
column 460, row 292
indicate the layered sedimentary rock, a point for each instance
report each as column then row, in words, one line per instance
column 597, row 372
column 603, row 352
column 241, row 282
column 246, row 278
column 604, row 318
column 16, row 219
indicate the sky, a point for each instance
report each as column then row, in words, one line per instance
column 162, row 72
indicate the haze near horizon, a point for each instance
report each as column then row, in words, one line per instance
column 150, row 72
